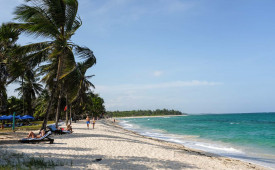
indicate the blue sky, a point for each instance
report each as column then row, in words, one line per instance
column 196, row 56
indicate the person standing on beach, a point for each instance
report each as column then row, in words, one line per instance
column 88, row 121
column 93, row 122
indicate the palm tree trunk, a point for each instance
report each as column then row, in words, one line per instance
column 23, row 92
column 70, row 114
column 45, row 121
column 59, row 68
column 74, row 118
column 66, row 110
column 30, row 111
column 58, row 110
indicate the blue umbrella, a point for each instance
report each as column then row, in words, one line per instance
column 11, row 117
column 26, row 117
column 4, row 117
column 17, row 117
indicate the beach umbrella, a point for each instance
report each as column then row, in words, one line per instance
column 26, row 117
column 2, row 118
column 11, row 117
column 17, row 117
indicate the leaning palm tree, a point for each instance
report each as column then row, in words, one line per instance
column 77, row 83
column 57, row 21
column 8, row 38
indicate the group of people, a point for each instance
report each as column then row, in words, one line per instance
column 42, row 132
column 88, row 121
column 69, row 128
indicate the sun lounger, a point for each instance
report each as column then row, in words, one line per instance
column 57, row 131
column 44, row 138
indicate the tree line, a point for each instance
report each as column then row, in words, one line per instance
column 131, row 113
column 51, row 74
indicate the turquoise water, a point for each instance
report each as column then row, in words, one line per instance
column 250, row 137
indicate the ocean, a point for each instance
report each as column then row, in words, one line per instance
column 248, row 136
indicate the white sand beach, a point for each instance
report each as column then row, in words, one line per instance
column 110, row 147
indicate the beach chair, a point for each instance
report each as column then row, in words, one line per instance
column 44, row 138
column 57, row 131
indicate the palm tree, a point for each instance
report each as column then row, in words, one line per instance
column 30, row 89
column 14, row 105
column 97, row 107
column 41, row 104
column 8, row 38
column 77, row 83
column 56, row 20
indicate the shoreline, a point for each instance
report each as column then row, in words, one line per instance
column 182, row 146
column 119, row 148
column 145, row 116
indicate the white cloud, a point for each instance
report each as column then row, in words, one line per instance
column 157, row 73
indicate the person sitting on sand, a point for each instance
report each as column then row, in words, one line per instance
column 32, row 135
column 69, row 128
column 88, row 121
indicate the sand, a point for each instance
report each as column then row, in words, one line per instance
column 109, row 146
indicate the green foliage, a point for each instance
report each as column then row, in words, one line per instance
column 157, row 112
column 41, row 104
column 57, row 21
column 8, row 37
column 15, row 105
column 97, row 107
column 89, row 104
column 29, row 89
column 53, row 60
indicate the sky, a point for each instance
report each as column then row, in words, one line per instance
column 196, row 56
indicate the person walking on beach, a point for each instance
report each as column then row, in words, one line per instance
column 88, row 121
column 93, row 122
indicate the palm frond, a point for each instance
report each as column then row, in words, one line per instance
column 56, row 9
column 86, row 54
column 69, row 62
column 71, row 12
column 35, row 53
column 8, row 34
column 36, row 21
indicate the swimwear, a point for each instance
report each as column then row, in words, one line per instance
column 88, row 122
